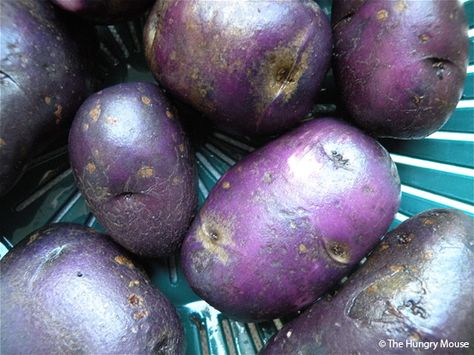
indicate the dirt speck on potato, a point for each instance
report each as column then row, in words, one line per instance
column 400, row 6
column 140, row 314
column 146, row 100
column 134, row 283
column 2, row 142
column 123, row 260
column 135, row 300
column 424, row 38
column 111, row 120
column 382, row 15
column 302, row 249
column 146, row 172
column 32, row 238
column 95, row 113
column 91, row 168
column 226, row 185
column 169, row 114
column 47, row 100
column 58, row 113
column 85, row 126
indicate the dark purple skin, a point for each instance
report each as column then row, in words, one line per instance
column 417, row 285
column 252, row 67
column 68, row 289
column 43, row 80
column 290, row 220
column 134, row 166
column 400, row 65
column 105, row 11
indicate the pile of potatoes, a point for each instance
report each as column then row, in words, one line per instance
column 283, row 226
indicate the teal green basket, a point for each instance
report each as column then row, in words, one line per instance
column 437, row 171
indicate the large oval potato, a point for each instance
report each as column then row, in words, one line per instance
column 134, row 165
column 400, row 65
column 253, row 67
column 44, row 77
column 416, row 288
column 287, row 222
column 67, row 289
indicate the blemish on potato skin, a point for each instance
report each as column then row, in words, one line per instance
column 302, row 249
column 424, row 38
column 226, row 185
column 85, row 126
column 177, row 180
column 32, row 238
column 95, row 113
column 338, row 251
column 122, row 260
column 181, row 148
column 91, row 168
column 146, row 100
column 47, row 100
column 401, row 6
column 169, row 114
column 140, row 314
column 111, row 120
column 146, row 172
column 397, row 268
column 2, row 142
column 135, row 300
column 134, row 283
column 267, row 177
column 382, row 15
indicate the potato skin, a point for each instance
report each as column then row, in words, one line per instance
column 67, row 289
column 287, row 222
column 105, row 11
column 252, row 67
column 134, row 165
column 43, row 80
column 400, row 65
column 416, row 285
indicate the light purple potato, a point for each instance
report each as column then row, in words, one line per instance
column 415, row 288
column 290, row 220
column 252, row 67
column 134, row 165
column 67, row 289
column 400, row 65
column 105, row 11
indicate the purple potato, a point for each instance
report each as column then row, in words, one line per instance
column 400, row 65
column 416, row 287
column 43, row 80
column 105, row 11
column 253, row 67
column 290, row 220
column 68, row 289
column 134, row 166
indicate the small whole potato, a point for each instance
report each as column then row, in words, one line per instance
column 416, row 289
column 400, row 65
column 67, row 289
column 252, row 67
column 290, row 220
column 134, row 166
column 105, row 11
